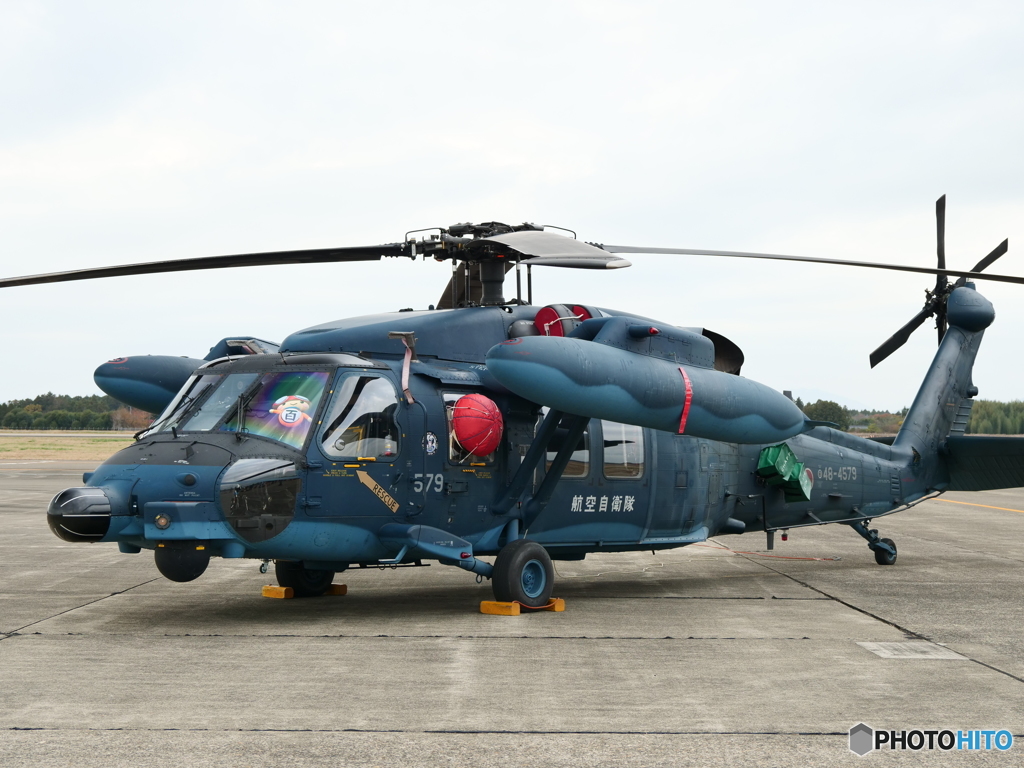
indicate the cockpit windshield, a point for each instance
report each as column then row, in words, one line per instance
column 279, row 406
column 209, row 413
column 184, row 403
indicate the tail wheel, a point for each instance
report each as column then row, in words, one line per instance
column 523, row 573
column 884, row 558
column 306, row 582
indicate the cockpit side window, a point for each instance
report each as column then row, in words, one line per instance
column 361, row 422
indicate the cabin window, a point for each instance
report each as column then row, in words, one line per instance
column 623, row 450
column 456, row 454
column 361, row 423
column 579, row 462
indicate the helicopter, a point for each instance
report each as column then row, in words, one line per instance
column 488, row 426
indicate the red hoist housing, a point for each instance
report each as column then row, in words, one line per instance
column 477, row 424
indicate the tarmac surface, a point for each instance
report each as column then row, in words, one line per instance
column 698, row 656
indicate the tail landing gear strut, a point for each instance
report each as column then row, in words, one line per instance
column 884, row 549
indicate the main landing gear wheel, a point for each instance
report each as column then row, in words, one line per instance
column 523, row 573
column 884, row 558
column 306, row 582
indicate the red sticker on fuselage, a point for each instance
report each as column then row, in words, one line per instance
column 686, row 402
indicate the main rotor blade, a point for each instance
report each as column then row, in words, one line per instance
column 317, row 256
column 899, row 338
column 998, row 251
column 605, row 261
column 817, row 260
column 546, row 244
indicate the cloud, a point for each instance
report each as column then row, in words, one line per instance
column 141, row 132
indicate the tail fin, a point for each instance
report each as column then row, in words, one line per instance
column 947, row 388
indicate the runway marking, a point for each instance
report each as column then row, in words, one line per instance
column 986, row 506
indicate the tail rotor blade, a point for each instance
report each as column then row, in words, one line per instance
column 941, row 281
column 998, row 251
column 899, row 338
column 940, row 231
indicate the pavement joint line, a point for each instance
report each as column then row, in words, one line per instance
column 448, row 731
column 901, row 628
column 893, row 624
column 26, row 470
column 410, row 637
column 83, row 605
column 701, row 597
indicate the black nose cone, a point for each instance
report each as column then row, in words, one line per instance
column 79, row 514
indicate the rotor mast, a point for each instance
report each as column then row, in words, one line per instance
column 479, row 264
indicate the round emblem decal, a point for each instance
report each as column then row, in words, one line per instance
column 291, row 410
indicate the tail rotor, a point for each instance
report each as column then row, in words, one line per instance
column 935, row 299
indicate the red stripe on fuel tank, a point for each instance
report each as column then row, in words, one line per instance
column 686, row 402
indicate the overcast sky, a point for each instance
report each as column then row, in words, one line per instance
column 145, row 131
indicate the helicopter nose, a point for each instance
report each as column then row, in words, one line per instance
column 79, row 514
column 148, row 382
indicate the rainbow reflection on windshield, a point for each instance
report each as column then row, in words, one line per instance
column 282, row 407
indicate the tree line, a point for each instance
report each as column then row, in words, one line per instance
column 988, row 417
column 88, row 412
column 50, row 411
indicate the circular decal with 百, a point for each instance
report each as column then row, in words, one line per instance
column 291, row 410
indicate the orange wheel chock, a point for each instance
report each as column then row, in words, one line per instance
column 283, row 593
column 269, row 590
column 495, row 608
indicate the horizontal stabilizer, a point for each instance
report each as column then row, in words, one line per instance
column 985, row 462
